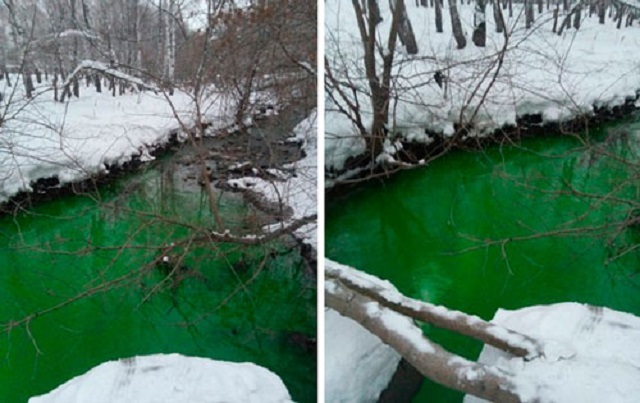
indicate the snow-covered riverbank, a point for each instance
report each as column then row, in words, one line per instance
column 82, row 137
column 298, row 190
column 534, row 73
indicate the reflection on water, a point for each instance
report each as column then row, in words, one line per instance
column 150, row 282
column 539, row 223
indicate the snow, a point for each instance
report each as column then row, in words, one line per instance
column 359, row 366
column 171, row 378
column 604, row 366
column 41, row 138
column 559, row 77
column 589, row 354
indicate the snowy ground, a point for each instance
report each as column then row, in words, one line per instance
column 42, row 138
column 171, row 378
column 605, row 366
column 556, row 76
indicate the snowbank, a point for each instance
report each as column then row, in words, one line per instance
column 558, row 77
column 358, row 366
column 605, row 366
column 300, row 190
column 171, row 378
column 41, row 138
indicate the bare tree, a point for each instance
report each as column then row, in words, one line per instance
column 379, row 82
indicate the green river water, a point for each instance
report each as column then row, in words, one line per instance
column 229, row 303
column 415, row 229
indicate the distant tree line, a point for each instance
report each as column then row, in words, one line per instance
column 145, row 39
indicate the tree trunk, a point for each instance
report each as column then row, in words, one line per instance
column 374, row 9
column 498, row 18
column 438, row 9
column 601, row 11
column 97, row 82
column 55, row 86
column 3, row 53
column 577, row 19
column 66, row 93
column 510, row 8
column 529, row 16
column 133, row 39
column 28, row 82
column 480, row 31
column 169, row 63
column 405, row 31
column 540, row 6
column 456, row 26
column 555, row 19
column 379, row 95
column 621, row 11
column 566, row 23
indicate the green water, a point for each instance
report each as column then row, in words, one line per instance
column 416, row 228
column 228, row 302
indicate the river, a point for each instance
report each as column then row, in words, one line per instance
column 510, row 226
column 224, row 301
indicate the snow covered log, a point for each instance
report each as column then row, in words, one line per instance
column 107, row 71
column 588, row 354
column 171, row 378
column 399, row 332
column 468, row 325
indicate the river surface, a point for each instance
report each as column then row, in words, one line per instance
column 224, row 301
column 452, row 233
